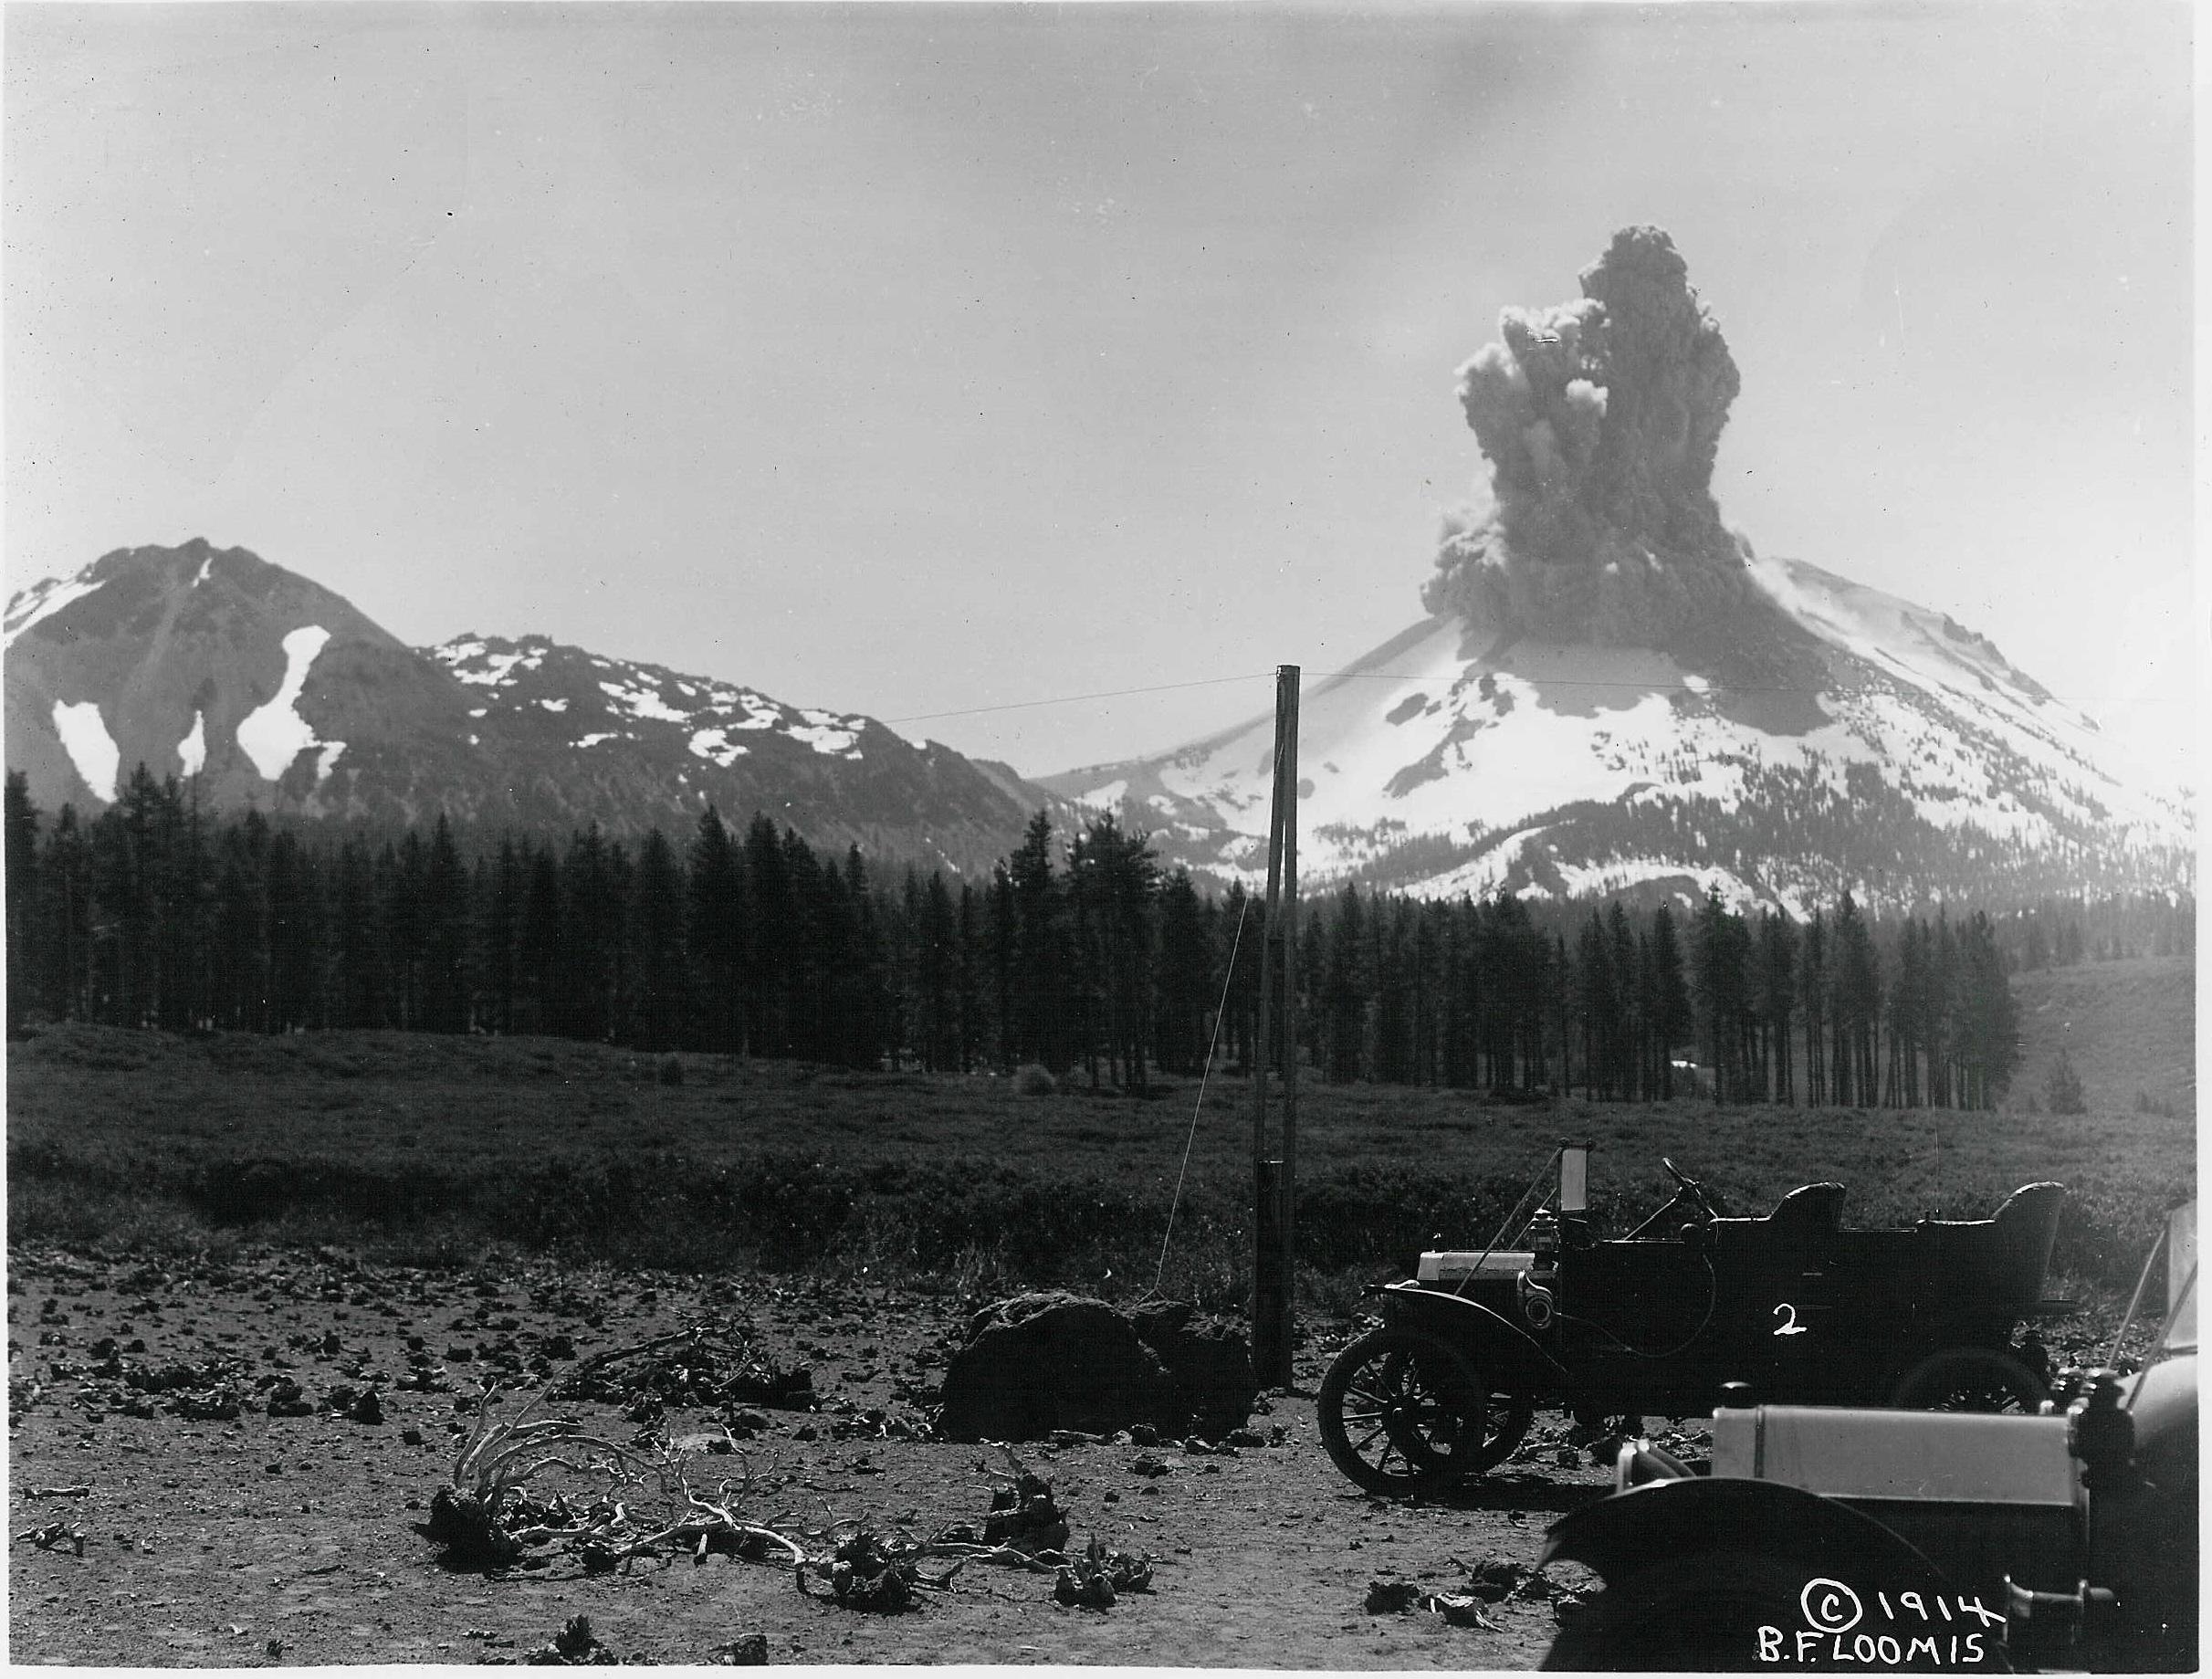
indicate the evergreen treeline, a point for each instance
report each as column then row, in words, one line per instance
column 1079, row 957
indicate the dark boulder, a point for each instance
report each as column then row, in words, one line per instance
column 1209, row 1363
column 1042, row 1362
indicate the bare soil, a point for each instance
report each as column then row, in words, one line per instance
column 263, row 1541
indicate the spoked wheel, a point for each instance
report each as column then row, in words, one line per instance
column 1970, row 1378
column 1401, row 1411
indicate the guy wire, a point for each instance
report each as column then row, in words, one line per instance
column 1205, row 1072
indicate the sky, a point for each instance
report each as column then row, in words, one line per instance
column 914, row 360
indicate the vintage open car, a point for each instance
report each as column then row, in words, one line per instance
column 1792, row 1305
column 1829, row 1538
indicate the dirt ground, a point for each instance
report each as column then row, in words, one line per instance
column 255, row 1539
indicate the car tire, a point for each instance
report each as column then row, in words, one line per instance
column 1698, row 1613
column 1393, row 1413
column 1969, row 1378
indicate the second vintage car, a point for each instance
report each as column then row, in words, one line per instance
column 1793, row 1304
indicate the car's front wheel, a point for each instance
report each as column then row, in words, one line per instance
column 1401, row 1411
column 1969, row 1378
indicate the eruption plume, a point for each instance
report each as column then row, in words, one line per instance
column 1600, row 419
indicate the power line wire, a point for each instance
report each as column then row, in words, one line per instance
column 1383, row 675
column 1070, row 700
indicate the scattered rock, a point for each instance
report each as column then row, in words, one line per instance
column 1391, row 1597
column 863, row 1575
column 1209, row 1363
column 462, row 1531
column 1494, row 1579
column 1025, row 1517
column 1039, row 1362
column 575, row 1645
column 1097, row 1579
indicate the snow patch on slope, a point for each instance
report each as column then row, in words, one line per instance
column 84, row 734
column 826, row 732
column 473, row 663
column 642, row 700
column 707, row 713
column 273, row 735
column 42, row 600
column 1619, row 873
column 712, row 744
column 192, row 750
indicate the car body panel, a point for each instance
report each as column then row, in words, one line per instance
column 1901, row 1455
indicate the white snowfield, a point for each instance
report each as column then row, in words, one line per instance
column 273, row 735
column 704, row 713
column 84, row 737
column 1431, row 737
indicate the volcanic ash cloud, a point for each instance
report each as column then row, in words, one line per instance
column 1600, row 419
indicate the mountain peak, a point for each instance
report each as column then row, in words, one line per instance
column 1896, row 756
column 274, row 692
column 1613, row 691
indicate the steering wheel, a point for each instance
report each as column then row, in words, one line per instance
column 1694, row 1193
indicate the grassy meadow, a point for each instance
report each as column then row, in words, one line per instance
column 439, row 1149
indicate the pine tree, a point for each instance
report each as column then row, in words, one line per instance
column 1988, row 1032
column 1004, row 943
column 1812, row 998
column 1858, row 1005
column 872, row 1025
column 1778, row 1000
column 1344, row 990
column 935, row 983
column 541, row 976
column 1112, row 878
column 659, row 975
column 1040, row 952
column 1183, row 988
column 1390, row 1008
column 1625, row 1023
column 715, row 935
column 1594, row 1007
column 1238, row 952
column 295, row 934
column 973, row 965
column 21, row 843
column 1671, row 1016
column 770, row 941
column 444, row 933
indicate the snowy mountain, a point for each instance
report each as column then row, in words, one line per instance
column 1868, row 744
column 1613, row 692
column 277, row 693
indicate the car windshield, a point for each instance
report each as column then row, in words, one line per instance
column 2180, row 1334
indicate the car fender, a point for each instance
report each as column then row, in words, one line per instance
column 1455, row 1319
column 1616, row 1537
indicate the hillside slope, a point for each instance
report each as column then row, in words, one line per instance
column 1846, row 739
column 278, row 694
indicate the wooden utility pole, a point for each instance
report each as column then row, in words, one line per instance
column 1275, row 1174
